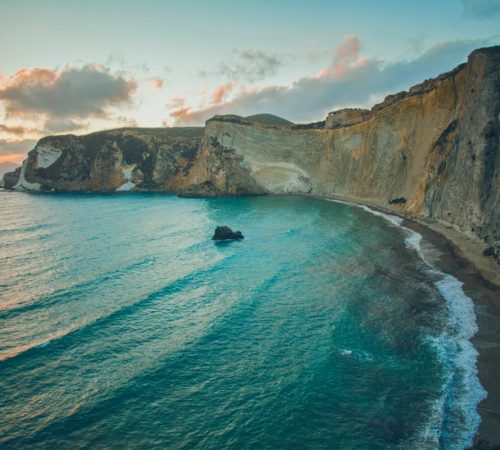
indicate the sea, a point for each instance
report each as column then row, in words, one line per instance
column 124, row 325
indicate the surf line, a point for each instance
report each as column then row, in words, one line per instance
column 454, row 345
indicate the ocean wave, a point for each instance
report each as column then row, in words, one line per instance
column 360, row 355
column 39, row 343
column 463, row 357
column 454, row 418
column 9, row 310
column 176, row 285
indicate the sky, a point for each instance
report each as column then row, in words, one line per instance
column 81, row 66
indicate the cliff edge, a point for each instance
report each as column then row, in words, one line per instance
column 430, row 152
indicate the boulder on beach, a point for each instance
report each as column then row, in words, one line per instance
column 224, row 233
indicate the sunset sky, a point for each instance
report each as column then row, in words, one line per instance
column 75, row 67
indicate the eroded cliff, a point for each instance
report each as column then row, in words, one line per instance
column 115, row 160
column 430, row 152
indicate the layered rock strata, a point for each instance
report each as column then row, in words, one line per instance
column 431, row 152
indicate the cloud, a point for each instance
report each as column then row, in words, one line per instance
column 221, row 92
column 346, row 56
column 350, row 80
column 157, row 82
column 63, row 96
column 314, row 55
column 177, row 102
column 481, row 9
column 15, row 151
column 181, row 113
column 63, row 125
column 178, row 109
column 128, row 122
column 248, row 65
column 18, row 130
column 12, row 158
column 7, row 166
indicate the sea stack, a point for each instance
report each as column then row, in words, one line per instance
column 224, row 233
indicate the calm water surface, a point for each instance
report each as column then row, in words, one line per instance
column 123, row 325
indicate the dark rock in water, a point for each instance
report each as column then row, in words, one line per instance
column 225, row 233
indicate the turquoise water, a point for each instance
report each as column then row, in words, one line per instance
column 123, row 325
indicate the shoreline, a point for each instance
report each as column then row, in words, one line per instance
column 458, row 258
column 462, row 257
column 465, row 247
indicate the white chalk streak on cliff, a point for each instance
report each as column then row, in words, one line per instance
column 127, row 173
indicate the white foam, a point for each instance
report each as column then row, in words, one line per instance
column 413, row 241
column 345, row 352
column 394, row 220
column 453, row 347
column 463, row 327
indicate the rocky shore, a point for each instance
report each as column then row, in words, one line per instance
column 430, row 154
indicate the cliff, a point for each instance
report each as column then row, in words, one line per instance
column 432, row 152
column 115, row 160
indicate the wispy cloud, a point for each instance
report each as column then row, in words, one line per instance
column 178, row 109
column 314, row 55
column 346, row 57
column 18, row 130
column 248, row 65
column 220, row 93
column 350, row 80
column 15, row 151
column 128, row 122
column 157, row 82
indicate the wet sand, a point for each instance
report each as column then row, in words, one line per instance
column 462, row 258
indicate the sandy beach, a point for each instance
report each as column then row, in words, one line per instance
column 462, row 257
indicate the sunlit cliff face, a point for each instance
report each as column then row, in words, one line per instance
column 166, row 64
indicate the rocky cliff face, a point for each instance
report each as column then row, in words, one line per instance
column 116, row 160
column 430, row 152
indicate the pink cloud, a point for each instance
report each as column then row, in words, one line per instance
column 220, row 92
column 350, row 80
column 15, row 150
column 177, row 102
column 18, row 130
column 178, row 109
column 181, row 112
column 157, row 83
column 17, row 158
column 31, row 77
column 346, row 58
column 71, row 93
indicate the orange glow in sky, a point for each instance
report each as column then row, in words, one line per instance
column 13, row 157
